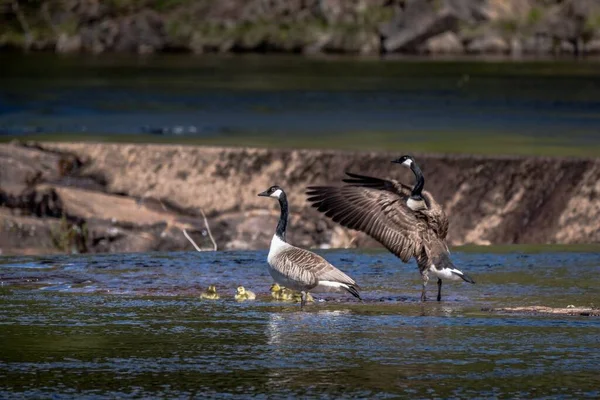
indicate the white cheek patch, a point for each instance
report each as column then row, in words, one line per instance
column 407, row 162
column 415, row 205
column 276, row 193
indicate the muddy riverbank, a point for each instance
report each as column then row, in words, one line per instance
column 85, row 197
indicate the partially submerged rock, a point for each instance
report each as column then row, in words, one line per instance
column 446, row 43
column 422, row 20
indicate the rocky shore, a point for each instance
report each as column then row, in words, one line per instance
column 504, row 27
column 84, row 197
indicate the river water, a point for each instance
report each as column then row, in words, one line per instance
column 334, row 102
column 132, row 326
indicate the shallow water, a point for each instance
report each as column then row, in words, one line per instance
column 132, row 326
column 240, row 98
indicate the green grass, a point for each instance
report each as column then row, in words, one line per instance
column 430, row 142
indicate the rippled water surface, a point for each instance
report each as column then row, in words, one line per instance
column 261, row 100
column 133, row 326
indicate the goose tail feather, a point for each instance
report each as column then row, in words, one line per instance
column 353, row 291
column 463, row 276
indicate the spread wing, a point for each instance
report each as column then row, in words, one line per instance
column 380, row 213
column 434, row 214
column 390, row 185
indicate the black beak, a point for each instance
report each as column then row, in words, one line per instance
column 397, row 162
column 264, row 194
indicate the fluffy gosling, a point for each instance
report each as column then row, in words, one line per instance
column 243, row 294
column 285, row 294
column 210, row 293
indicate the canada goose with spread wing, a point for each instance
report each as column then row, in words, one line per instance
column 300, row 269
column 407, row 221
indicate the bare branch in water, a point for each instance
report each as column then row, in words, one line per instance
column 208, row 230
column 173, row 222
column 354, row 236
column 187, row 236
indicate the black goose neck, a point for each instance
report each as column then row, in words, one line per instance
column 282, row 224
column 420, row 181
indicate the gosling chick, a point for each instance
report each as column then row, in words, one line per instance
column 276, row 291
column 285, row 294
column 210, row 293
column 243, row 294
column 297, row 297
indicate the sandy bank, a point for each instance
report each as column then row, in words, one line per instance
column 87, row 197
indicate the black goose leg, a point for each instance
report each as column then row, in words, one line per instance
column 439, row 298
column 302, row 299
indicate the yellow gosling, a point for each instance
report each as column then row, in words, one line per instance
column 276, row 291
column 296, row 297
column 243, row 294
column 210, row 293
column 285, row 294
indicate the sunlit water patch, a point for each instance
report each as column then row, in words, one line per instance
column 128, row 326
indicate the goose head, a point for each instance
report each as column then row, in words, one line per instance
column 273, row 191
column 241, row 290
column 407, row 161
column 211, row 289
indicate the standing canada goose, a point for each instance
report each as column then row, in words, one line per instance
column 300, row 269
column 210, row 293
column 243, row 294
column 408, row 222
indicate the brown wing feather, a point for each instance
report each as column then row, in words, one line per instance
column 436, row 217
column 306, row 263
column 390, row 185
column 382, row 214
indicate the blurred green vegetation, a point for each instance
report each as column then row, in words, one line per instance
column 206, row 25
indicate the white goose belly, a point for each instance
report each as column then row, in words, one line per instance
column 445, row 273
